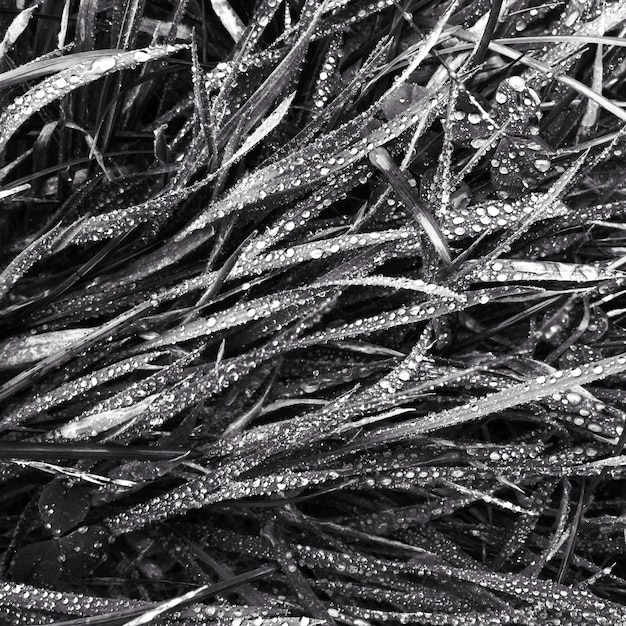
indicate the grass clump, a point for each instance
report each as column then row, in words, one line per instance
column 312, row 312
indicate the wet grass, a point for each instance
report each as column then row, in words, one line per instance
column 312, row 312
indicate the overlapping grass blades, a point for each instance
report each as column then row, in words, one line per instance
column 312, row 312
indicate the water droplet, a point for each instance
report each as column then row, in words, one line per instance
column 542, row 165
column 404, row 375
column 517, row 83
column 573, row 398
column 104, row 64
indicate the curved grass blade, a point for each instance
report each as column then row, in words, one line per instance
column 25, row 378
column 381, row 159
column 523, row 393
column 67, row 80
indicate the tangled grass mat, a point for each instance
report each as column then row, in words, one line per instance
column 312, row 312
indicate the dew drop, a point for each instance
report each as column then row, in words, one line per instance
column 517, row 83
column 542, row 165
column 404, row 375
column 103, row 64
column 573, row 398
